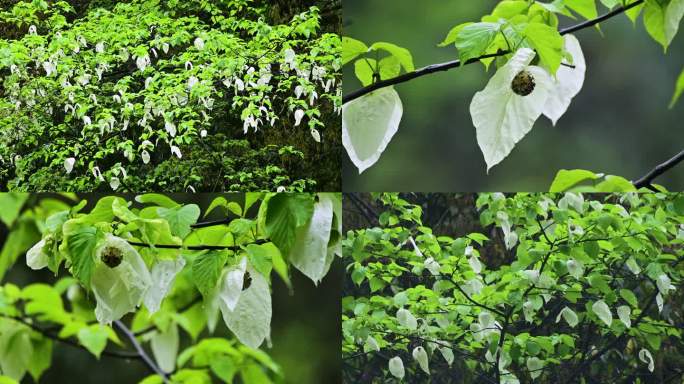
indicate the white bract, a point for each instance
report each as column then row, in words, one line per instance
column 501, row 116
column 664, row 284
column 568, row 315
column 250, row 320
column 575, row 268
column 69, row 164
column 165, row 347
column 633, row 266
column 602, row 310
column 199, row 43
column 316, row 135
column 145, row 156
column 624, row 313
column 232, row 283
column 36, row 257
column 119, row 288
column 396, row 367
column 645, row 356
column 298, row 115
column 371, row 344
column 475, row 264
column 309, row 254
column 448, row 354
column 431, row 265
column 534, row 366
column 368, row 125
column 114, row 183
column 163, row 274
column 420, row 355
column 176, row 151
column 567, row 83
column 406, row 319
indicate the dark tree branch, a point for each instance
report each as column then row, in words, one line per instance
column 647, row 180
column 151, row 364
column 197, row 247
column 457, row 63
column 51, row 336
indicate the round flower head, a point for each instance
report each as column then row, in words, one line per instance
column 119, row 280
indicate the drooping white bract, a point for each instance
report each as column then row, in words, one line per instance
column 448, row 355
column 119, row 289
column 664, row 284
column 502, row 117
column 36, row 257
column 309, row 254
column 420, row 355
column 396, row 367
column 602, row 310
column 69, row 164
column 368, row 125
column 624, row 313
column 568, row 81
column 165, row 348
column 371, row 344
column 250, row 320
column 406, row 319
column 645, row 356
column 232, row 283
column 568, row 315
column 163, row 274
column 534, row 366
column 575, row 268
column 431, row 265
column 316, row 135
column 298, row 115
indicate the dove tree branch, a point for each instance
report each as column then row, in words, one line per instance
column 145, row 357
column 440, row 67
column 646, row 181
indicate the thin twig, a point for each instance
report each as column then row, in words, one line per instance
column 151, row 364
column 457, row 63
column 647, row 180
column 51, row 336
column 197, row 247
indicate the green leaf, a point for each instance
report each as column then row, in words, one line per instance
column 364, row 70
column 566, row 179
column 206, row 270
column 11, row 204
column 180, row 218
column 80, row 240
column 654, row 21
column 261, row 256
column 284, row 215
column 453, row 34
column 473, row 40
column 547, row 42
column 615, row 184
column 41, row 357
column 217, row 202
column 22, row 237
column 15, row 349
column 629, row 297
column 679, row 89
column 585, row 8
column 253, row 374
column 157, row 199
column 351, row 48
column 402, row 54
column 93, row 338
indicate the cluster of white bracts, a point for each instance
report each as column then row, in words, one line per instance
column 501, row 117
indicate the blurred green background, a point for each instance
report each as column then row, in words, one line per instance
column 619, row 123
column 305, row 328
